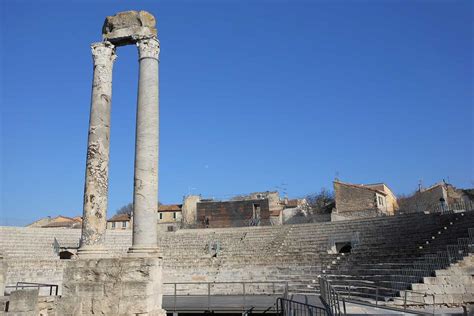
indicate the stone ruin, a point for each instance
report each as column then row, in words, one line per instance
column 125, row 28
column 96, row 283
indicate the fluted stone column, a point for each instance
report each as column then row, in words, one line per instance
column 97, row 166
column 145, row 197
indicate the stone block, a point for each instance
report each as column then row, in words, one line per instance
column 125, row 27
column 429, row 299
column 113, row 289
column 468, row 297
column 115, row 286
column 419, row 287
column 68, row 306
column 430, row 280
column 88, row 289
column 25, row 300
column 137, row 289
column 103, row 307
column 135, row 304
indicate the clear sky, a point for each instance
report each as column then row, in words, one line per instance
column 254, row 96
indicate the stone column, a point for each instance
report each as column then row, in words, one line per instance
column 145, row 196
column 97, row 165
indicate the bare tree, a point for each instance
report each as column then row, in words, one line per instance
column 126, row 209
column 322, row 202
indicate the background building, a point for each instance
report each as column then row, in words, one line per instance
column 362, row 200
column 440, row 196
column 169, row 217
column 57, row 222
column 120, row 222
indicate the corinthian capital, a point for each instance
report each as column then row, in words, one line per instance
column 148, row 48
column 103, row 53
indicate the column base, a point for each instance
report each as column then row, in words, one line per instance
column 92, row 252
column 143, row 251
column 112, row 286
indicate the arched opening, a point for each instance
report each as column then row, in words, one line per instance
column 65, row 255
column 344, row 247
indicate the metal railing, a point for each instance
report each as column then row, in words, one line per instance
column 439, row 207
column 224, row 289
column 379, row 296
column 53, row 288
column 455, row 207
column 287, row 307
column 426, row 265
column 398, row 294
column 331, row 299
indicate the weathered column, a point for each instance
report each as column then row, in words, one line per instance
column 145, row 196
column 97, row 165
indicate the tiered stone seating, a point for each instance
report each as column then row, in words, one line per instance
column 387, row 257
column 296, row 254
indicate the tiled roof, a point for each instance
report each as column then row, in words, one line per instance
column 120, row 218
column 170, row 208
column 361, row 186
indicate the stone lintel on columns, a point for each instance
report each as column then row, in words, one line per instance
column 125, row 28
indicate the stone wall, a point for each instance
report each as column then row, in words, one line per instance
column 232, row 213
column 424, row 201
column 189, row 209
column 350, row 198
column 344, row 216
column 23, row 302
column 36, row 271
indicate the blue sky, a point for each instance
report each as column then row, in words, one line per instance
column 254, row 95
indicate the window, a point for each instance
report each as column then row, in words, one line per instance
column 174, row 215
column 380, row 200
column 256, row 211
column 161, row 215
column 124, row 224
column 113, row 224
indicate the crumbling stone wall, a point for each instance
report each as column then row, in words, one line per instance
column 189, row 209
column 351, row 198
column 232, row 213
column 424, row 201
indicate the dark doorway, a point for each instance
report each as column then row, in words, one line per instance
column 65, row 255
column 343, row 247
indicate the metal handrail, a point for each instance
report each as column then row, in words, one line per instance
column 286, row 307
column 244, row 293
column 23, row 285
column 330, row 298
